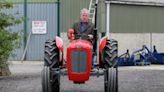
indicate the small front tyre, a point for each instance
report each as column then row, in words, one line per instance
column 50, row 81
column 111, row 80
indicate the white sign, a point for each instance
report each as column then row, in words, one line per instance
column 39, row 27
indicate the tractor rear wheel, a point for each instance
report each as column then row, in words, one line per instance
column 50, row 81
column 110, row 53
column 51, row 54
column 111, row 80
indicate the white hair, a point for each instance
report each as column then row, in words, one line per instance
column 84, row 10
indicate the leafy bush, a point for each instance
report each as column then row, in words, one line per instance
column 9, row 40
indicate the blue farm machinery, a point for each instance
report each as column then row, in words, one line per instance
column 142, row 56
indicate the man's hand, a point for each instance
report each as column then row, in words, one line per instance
column 90, row 36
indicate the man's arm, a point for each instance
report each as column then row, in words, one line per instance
column 93, row 34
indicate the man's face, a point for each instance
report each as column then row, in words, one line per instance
column 84, row 17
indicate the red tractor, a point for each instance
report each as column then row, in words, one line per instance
column 79, row 61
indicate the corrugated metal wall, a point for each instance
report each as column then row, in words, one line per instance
column 135, row 19
column 70, row 12
column 35, row 12
column 124, row 18
column 41, row 12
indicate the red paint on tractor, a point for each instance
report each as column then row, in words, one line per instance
column 71, row 31
column 102, row 44
column 84, row 45
column 59, row 44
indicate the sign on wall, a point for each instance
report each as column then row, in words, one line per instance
column 39, row 27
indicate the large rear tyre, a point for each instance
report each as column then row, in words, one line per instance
column 51, row 54
column 111, row 80
column 110, row 53
column 50, row 83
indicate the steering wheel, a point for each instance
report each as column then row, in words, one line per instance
column 82, row 36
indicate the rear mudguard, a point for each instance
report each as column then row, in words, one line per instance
column 59, row 44
column 102, row 44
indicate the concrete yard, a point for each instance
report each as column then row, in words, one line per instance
column 26, row 78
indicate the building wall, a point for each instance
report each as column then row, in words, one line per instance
column 41, row 12
column 136, row 19
column 35, row 12
column 125, row 18
column 70, row 12
column 136, row 25
column 132, row 25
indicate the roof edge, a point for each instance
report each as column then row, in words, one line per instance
column 137, row 2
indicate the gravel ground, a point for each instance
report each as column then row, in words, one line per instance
column 26, row 78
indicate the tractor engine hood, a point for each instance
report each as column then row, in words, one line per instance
column 80, row 44
column 79, row 58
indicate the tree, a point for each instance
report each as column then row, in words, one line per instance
column 9, row 40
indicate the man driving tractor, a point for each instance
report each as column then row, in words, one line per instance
column 84, row 27
column 85, row 30
column 81, row 53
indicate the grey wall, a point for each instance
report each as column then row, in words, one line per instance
column 158, row 40
column 41, row 12
column 135, row 41
column 70, row 12
column 35, row 12
column 130, row 25
column 136, row 19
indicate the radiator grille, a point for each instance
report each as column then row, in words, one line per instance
column 78, row 60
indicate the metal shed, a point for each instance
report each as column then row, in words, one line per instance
column 35, row 10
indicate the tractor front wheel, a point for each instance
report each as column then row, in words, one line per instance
column 45, row 79
column 50, row 81
column 111, row 80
